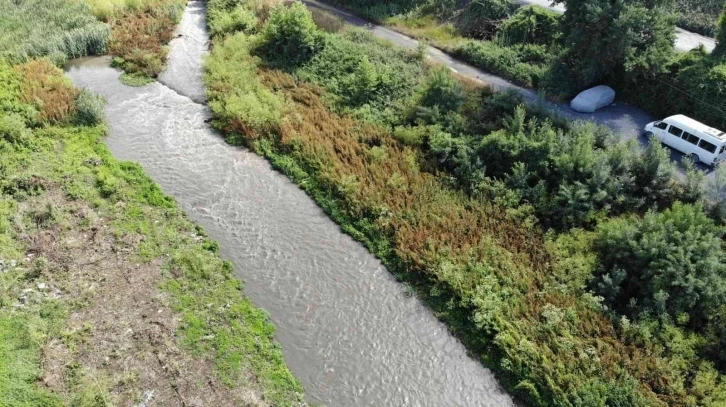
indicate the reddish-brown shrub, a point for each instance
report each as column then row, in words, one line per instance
column 45, row 87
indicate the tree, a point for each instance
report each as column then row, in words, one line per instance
column 480, row 18
column 720, row 49
column 669, row 263
column 628, row 38
column 291, row 37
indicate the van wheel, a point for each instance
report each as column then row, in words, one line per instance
column 695, row 158
column 648, row 134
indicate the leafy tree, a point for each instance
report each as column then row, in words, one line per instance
column 633, row 38
column 668, row 263
column 480, row 18
column 291, row 37
column 720, row 49
column 531, row 25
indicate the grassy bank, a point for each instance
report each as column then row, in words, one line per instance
column 501, row 220
column 109, row 295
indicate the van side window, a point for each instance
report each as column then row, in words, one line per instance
column 675, row 131
column 707, row 146
column 723, row 148
column 693, row 139
column 661, row 125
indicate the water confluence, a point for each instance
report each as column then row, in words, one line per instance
column 348, row 330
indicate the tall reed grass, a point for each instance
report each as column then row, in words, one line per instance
column 56, row 29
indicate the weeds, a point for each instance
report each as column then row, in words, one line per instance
column 138, row 37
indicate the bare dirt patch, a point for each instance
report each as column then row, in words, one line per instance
column 119, row 346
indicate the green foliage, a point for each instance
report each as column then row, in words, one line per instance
column 236, row 94
column 71, row 159
column 20, row 362
column 139, row 37
column 602, row 37
column 223, row 22
column 524, row 64
column 695, row 85
column 442, row 90
column 290, row 36
column 665, row 263
column 721, row 34
column 699, row 16
column 362, row 75
column 455, row 189
column 380, row 10
column 531, row 25
column 57, row 29
column 481, row 18
column 89, row 109
column 135, row 79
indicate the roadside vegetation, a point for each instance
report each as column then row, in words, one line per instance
column 109, row 295
column 575, row 266
column 699, row 16
column 560, row 55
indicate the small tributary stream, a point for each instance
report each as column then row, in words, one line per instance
column 348, row 330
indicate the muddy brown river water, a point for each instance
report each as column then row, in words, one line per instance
column 348, row 330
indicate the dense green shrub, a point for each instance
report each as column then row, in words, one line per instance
column 290, row 36
column 380, row 10
column 227, row 22
column 57, row 29
column 699, row 16
column 481, row 18
column 235, row 92
column 669, row 263
column 602, row 37
column 362, row 75
column 721, row 35
column 523, row 64
column 531, row 25
column 89, row 109
column 442, row 90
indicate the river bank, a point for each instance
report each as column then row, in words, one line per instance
column 110, row 295
column 349, row 331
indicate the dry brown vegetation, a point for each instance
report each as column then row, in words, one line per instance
column 48, row 90
column 139, row 37
column 466, row 247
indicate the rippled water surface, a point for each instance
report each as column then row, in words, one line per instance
column 348, row 330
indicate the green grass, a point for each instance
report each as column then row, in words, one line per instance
column 21, row 338
column 135, row 79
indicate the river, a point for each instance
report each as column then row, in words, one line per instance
column 349, row 331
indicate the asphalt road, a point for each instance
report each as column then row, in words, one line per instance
column 685, row 40
column 625, row 120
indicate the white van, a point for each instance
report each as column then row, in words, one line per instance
column 698, row 141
